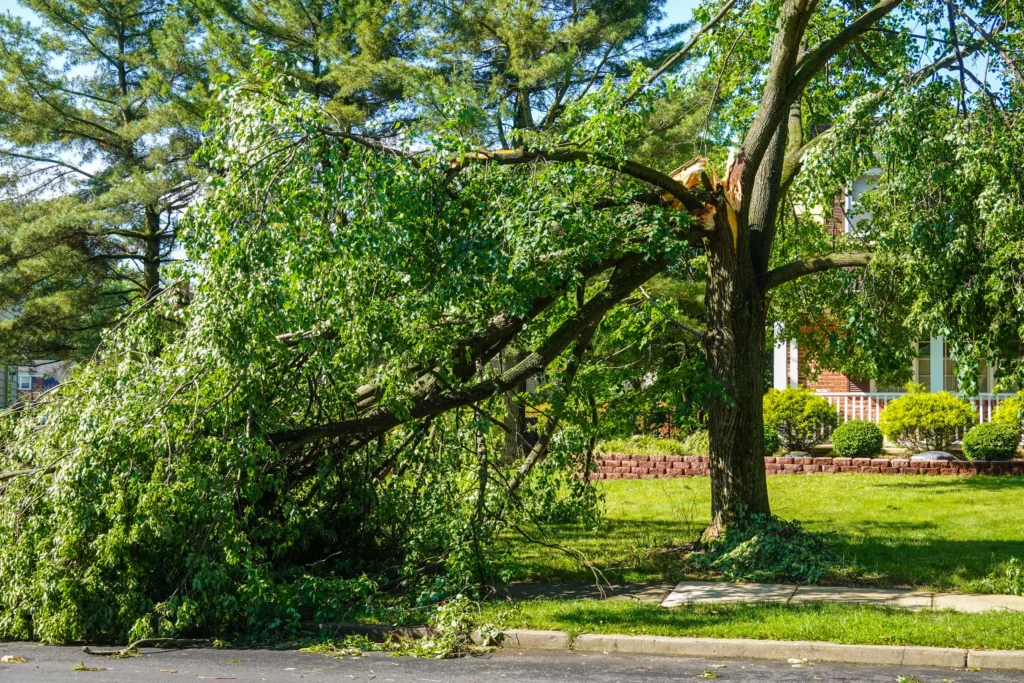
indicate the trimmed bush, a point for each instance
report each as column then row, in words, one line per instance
column 857, row 439
column 801, row 418
column 927, row 422
column 991, row 441
column 1011, row 411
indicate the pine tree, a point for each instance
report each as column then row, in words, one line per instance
column 100, row 111
column 351, row 55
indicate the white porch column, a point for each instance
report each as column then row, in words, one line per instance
column 779, row 379
column 794, row 366
column 935, row 364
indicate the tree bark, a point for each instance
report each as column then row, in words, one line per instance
column 516, row 437
column 734, row 346
column 151, row 257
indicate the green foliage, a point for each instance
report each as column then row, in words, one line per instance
column 450, row 627
column 172, row 498
column 1006, row 579
column 695, row 443
column 349, row 56
column 643, row 445
column 768, row 549
column 800, row 417
column 857, row 439
column 924, row 422
column 1011, row 411
column 991, row 441
column 939, row 267
column 772, row 442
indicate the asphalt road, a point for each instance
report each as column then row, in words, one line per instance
column 48, row 664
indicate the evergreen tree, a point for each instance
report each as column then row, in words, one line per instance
column 350, row 55
column 99, row 116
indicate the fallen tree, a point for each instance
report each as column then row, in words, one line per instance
column 318, row 414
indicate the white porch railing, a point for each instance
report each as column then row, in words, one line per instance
column 869, row 406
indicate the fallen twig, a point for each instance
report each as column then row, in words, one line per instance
column 133, row 648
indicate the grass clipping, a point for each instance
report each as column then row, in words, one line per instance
column 765, row 548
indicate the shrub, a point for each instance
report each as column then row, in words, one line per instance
column 697, row 443
column 801, row 418
column 765, row 548
column 1011, row 411
column 643, row 445
column 856, row 439
column 1006, row 578
column 772, row 443
column 991, row 441
column 924, row 422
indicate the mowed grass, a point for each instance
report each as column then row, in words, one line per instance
column 927, row 532
column 857, row 624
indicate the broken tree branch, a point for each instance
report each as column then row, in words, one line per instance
column 382, row 419
column 625, row 166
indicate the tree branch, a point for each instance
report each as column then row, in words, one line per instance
column 990, row 39
column 382, row 419
column 816, row 57
column 671, row 61
column 815, row 264
column 626, row 166
column 672, row 321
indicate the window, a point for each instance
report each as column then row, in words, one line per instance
column 949, row 380
column 923, row 364
column 24, row 382
column 984, row 377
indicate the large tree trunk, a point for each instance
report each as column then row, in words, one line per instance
column 735, row 354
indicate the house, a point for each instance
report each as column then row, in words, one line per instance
column 20, row 383
column 863, row 399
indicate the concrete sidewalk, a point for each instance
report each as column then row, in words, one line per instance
column 698, row 592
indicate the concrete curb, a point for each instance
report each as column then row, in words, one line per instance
column 726, row 648
column 942, row 657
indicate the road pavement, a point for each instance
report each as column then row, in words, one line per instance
column 51, row 664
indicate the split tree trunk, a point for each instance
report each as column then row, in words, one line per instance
column 735, row 353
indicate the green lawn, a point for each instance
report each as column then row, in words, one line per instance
column 936, row 532
column 825, row 622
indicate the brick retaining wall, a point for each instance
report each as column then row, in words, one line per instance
column 617, row 466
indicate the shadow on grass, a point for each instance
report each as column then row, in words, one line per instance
column 937, row 532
